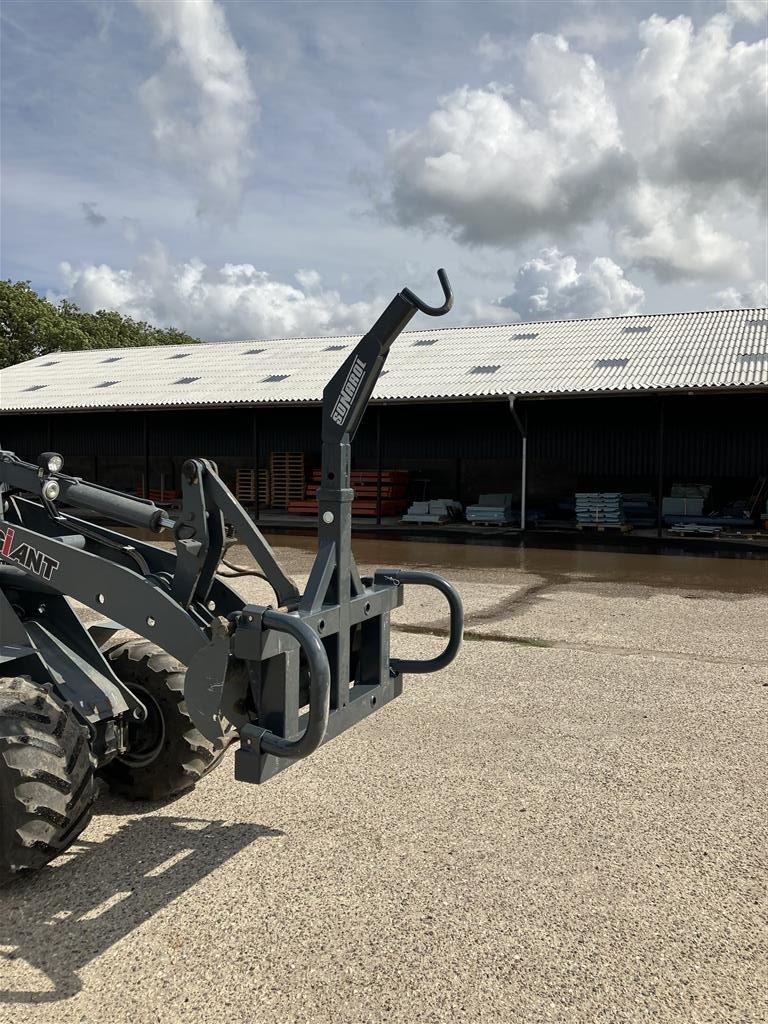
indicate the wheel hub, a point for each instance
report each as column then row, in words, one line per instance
column 145, row 738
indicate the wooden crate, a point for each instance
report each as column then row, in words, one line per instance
column 245, row 486
column 287, row 478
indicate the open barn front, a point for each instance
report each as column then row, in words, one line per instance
column 672, row 464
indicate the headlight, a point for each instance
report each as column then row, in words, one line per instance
column 51, row 462
column 51, row 490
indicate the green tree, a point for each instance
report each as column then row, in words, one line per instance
column 31, row 326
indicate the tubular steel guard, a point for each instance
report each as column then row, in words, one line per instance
column 456, row 627
column 319, row 688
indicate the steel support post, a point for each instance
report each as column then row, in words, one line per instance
column 146, row 455
column 378, row 465
column 524, row 457
column 660, row 469
column 256, row 459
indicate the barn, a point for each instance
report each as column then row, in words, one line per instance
column 651, row 407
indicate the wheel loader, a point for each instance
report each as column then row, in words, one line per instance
column 201, row 668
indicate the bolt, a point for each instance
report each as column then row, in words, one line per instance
column 328, row 517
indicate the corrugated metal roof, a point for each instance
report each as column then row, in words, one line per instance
column 709, row 350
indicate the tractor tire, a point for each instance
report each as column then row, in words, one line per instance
column 47, row 785
column 168, row 754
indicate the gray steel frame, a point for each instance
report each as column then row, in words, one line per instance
column 247, row 665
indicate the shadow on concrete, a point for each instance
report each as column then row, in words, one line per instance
column 56, row 921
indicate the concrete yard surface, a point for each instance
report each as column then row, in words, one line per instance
column 566, row 825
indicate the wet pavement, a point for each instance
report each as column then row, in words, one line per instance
column 567, row 825
column 732, row 575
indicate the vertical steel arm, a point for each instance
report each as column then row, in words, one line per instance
column 345, row 399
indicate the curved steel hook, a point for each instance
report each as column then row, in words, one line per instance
column 432, row 310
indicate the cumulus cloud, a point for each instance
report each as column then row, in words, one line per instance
column 496, row 170
column 753, row 296
column 201, row 103
column 696, row 106
column 666, row 231
column 217, row 304
column 667, row 153
column 550, row 286
column 91, row 214
column 753, row 11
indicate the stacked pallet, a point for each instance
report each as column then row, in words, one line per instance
column 492, row 510
column 601, row 510
column 245, row 486
column 393, row 486
column 287, row 478
column 438, row 510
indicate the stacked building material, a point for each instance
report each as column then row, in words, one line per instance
column 287, row 478
column 600, row 509
column 696, row 529
column 438, row 510
column 685, row 503
column 493, row 509
column 677, row 507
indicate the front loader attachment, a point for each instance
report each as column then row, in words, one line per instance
column 282, row 679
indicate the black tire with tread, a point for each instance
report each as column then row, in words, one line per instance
column 186, row 755
column 46, row 776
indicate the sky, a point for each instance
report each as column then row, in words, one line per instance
column 245, row 170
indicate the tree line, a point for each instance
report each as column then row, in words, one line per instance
column 32, row 326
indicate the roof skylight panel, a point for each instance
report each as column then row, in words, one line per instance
column 608, row 364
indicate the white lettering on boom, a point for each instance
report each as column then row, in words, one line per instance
column 348, row 392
